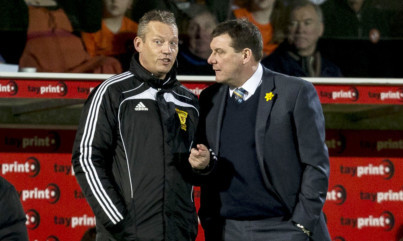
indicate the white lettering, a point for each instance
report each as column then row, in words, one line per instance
column 343, row 94
column 51, row 89
column 36, row 142
column 389, row 196
column 82, row 221
column 333, row 195
column 370, row 222
column 35, row 194
column 389, row 145
column 5, row 88
column 391, row 95
column 15, row 167
column 370, row 170
column 196, row 91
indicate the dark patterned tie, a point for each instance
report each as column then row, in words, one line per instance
column 239, row 94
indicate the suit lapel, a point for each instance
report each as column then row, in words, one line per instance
column 267, row 97
column 265, row 104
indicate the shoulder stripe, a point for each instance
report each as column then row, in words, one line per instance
column 171, row 98
column 148, row 94
column 184, row 96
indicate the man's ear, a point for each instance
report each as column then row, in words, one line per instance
column 321, row 29
column 138, row 44
column 246, row 55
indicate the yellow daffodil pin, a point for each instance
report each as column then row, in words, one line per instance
column 269, row 96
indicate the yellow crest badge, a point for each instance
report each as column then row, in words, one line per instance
column 182, row 117
column 269, row 96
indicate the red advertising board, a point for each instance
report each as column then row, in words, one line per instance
column 79, row 89
column 364, row 199
column 360, row 94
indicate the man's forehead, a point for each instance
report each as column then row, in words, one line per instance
column 155, row 27
column 306, row 12
column 222, row 40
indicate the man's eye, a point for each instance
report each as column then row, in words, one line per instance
column 308, row 22
column 158, row 42
column 293, row 24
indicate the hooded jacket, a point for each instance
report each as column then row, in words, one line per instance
column 130, row 156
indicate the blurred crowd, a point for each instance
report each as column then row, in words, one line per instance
column 308, row 38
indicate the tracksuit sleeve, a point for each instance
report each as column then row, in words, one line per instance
column 92, row 160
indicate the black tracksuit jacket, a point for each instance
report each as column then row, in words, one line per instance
column 12, row 215
column 130, row 157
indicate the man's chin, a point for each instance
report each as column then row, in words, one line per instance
column 164, row 69
column 218, row 79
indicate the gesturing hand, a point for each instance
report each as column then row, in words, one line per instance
column 199, row 157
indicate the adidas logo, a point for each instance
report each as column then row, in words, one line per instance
column 140, row 107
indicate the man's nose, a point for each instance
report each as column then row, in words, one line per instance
column 198, row 31
column 210, row 59
column 299, row 28
column 167, row 48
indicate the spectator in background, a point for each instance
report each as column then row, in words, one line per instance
column 52, row 45
column 84, row 15
column 359, row 29
column 396, row 12
column 115, row 38
column 195, row 49
column 354, row 19
column 12, row 215
column 221, row 9
column 267, row 16
column 298, row 55
column 13, row 30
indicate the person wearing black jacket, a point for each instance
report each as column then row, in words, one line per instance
column 132, row 143
column 12, row 215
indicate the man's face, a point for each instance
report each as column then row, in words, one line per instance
column 116, row 7
column 262, row 4
column 159, row 48
column 199, row 32
column 304, row 29
column 226, row 63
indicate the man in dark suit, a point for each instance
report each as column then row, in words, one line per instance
column 260, row 153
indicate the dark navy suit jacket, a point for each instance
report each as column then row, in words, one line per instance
column 290, row 146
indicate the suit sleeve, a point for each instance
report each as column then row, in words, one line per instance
column 310, row 128
column 92, row 160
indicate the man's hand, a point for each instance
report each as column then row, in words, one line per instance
column 199, row 158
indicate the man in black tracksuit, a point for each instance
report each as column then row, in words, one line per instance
column 133, row 141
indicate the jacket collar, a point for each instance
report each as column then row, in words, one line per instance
column 147, row 77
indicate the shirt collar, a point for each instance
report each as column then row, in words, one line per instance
column 252, row 83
